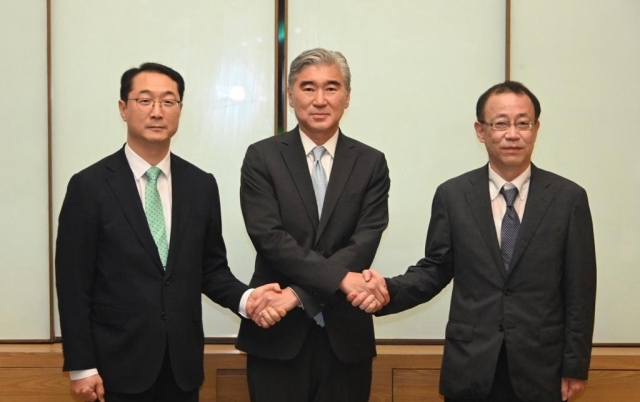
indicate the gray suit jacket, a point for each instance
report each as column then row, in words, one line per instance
column 542, row 308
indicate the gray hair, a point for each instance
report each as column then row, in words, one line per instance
column 320, row 57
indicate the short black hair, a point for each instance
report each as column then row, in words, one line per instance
column 502, row 88
column 127, row 78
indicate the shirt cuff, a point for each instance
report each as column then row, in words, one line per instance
column 80, row 374
column 242, row 309
column 296, row 295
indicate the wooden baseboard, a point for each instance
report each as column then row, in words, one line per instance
column 401, row 373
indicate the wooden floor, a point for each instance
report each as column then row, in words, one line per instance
column 400, row 374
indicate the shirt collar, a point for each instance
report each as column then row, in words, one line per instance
column 139, row 166
column 496, row 182
column 330, row 145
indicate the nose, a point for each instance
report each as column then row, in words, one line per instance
column 156, row 110
column 512, row 133
column 319, row 99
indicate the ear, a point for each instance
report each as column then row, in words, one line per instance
column 534, row 131
column 479, row 127
column 122, row 106
column 290, row 96
column 346, row 103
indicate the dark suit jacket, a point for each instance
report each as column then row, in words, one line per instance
column 119, row 309
column 312, row 256
column 543, row 308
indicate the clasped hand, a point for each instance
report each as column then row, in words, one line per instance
column 367, row 290
column 268, row 304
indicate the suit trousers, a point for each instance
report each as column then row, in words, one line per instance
column 501, row 389
column 314, row 375
column 164, row 389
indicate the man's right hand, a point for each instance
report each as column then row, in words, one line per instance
column 89, row 389
column 268, row 304
column 261, row 296
column 276, row 309
column 367, row 291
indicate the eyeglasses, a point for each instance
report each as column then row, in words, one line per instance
column 504, row 125
column 147, row 104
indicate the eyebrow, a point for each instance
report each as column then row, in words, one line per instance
column 518, row 116
column 330, row 82
column 148, row 92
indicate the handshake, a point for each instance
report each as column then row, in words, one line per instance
column 268, row 304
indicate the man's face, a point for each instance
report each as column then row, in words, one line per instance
column 154, row 126
column 319, row 98
column 509, row 151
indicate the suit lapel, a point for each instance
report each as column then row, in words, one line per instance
column 296, row 161
column 343, row 162
column 538, row 200
column 124, row 188
column 479, row 201
column 181, row 196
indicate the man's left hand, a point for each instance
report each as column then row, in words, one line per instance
column 571, row 387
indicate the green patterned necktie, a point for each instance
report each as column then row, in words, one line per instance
column 155, row 214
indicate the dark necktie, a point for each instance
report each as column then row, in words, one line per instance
column 510, row 226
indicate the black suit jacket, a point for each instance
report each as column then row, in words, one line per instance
column 119, row 309
column 295, row 248
column 542, row 308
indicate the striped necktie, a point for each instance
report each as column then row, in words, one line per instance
column 510, row 226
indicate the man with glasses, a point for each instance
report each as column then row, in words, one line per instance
column 139, row 241
column 519, row 243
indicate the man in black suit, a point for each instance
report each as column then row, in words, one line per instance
column 522, row 309
column 314, row 245
column 139, row 240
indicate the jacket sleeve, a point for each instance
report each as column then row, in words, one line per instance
column 423, row 281
column 579, row 287
column 76, row 248
column 218, row 282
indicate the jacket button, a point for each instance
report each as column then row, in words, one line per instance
column 163, row 315
column 167, row 282
column 507, row 292
column 501, row 328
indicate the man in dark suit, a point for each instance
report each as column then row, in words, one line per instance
column 314, row 245
column 139, row 240
column 522, row 309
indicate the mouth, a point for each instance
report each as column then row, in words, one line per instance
column 156, row 127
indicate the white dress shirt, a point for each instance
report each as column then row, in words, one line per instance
column 139, row 167
column 327, row 157
column 499, row 204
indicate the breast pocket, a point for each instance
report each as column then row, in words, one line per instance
column 350, row 198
